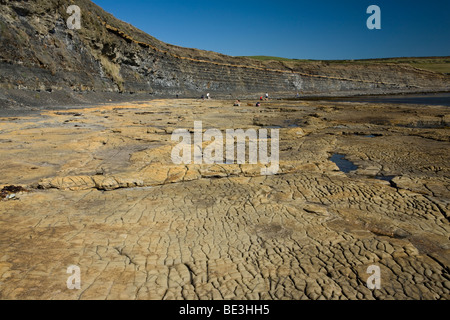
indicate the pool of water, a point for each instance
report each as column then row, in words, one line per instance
column 343, row 164
column 385, row 178
column 426, row 99
column 442, row 99
column 368, row 135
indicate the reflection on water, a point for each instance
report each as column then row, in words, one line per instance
column 442, row 99
column 385, row 178
column 347, row 166
column 435, row 99
column 344, row 165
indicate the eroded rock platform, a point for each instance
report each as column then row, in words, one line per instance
column 99, row 191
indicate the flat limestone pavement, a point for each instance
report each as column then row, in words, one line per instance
column 100, row 192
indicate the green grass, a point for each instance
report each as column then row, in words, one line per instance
column 434, row 64
column 113, row 70
column 269, row 58
column 435, row 67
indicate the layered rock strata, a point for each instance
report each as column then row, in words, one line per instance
column 42, row 61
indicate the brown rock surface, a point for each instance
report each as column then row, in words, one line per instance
column 101, row 192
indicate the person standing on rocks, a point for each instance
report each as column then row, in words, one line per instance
column 267, row 96
column 207, row 96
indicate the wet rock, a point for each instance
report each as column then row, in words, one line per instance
column 9, row 192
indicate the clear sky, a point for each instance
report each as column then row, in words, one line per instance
column 301, row 29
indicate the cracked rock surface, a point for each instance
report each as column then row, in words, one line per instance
column 96, row 188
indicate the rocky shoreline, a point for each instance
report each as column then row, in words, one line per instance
column 88, row 180
column 20, row 102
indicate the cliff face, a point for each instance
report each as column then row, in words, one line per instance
column 38, row 52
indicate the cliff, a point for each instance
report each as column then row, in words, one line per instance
column 43, row 61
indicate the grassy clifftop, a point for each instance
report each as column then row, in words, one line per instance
column 434, row 64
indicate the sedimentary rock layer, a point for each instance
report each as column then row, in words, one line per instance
column 39, row 54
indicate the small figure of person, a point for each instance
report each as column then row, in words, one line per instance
column 203, row 97
column 237, row 103
column 258, row 104
column 207, row 96
column 267, row 96
column 261, row 98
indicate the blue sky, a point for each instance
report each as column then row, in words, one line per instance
column 293, row 29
